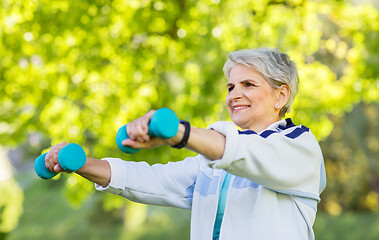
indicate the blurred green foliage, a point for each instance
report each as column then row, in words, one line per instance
column 11, row 196
column 76, row 71
column 352, row 154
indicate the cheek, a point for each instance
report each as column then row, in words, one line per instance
column 264, row 97
column 227, row 102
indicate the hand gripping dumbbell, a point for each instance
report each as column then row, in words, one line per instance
column 71, row 158
column 163, row 124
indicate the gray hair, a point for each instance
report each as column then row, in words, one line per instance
column 276, row 67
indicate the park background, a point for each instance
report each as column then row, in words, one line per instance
column 76, row 71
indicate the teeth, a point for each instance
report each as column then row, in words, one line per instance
column 236, row 108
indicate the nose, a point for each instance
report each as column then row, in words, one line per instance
column 235, row 94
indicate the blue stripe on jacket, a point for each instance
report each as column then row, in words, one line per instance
column 289, row 124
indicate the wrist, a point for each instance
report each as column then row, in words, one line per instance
column 97, row 171
column 185, row 135
column 178, row 137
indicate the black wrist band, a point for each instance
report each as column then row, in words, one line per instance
column 187, row 129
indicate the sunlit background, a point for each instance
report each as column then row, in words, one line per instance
column 76, row 71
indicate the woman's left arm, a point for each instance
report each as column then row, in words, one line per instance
column 207, row 142
column 280, row 161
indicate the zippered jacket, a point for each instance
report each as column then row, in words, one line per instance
column 278, row 175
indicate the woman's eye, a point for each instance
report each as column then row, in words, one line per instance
column 249, row 85
column 230, row 89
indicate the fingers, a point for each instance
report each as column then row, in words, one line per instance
column 153, row 142
column 51, row 158
column 138, row 130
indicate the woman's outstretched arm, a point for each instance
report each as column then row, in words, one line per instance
column 206, row 142
column 95, row 170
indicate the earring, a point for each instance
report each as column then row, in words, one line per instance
column 277, row 107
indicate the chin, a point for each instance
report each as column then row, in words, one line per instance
column 239, row 123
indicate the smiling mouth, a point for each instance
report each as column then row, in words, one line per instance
column 239, row 107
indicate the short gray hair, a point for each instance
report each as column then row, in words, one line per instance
column 276, row 67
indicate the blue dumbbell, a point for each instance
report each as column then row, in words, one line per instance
column 71, row 158
column 163, row 124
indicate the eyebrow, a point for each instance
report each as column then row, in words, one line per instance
column 242, row 82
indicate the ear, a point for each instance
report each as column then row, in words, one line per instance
column 282, row 96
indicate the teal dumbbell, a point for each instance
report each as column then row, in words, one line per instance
column 163, row 124
column 71, row 158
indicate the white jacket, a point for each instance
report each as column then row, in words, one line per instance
column 278, row 176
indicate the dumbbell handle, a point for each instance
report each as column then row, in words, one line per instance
column 163, row 124
column 71, row 158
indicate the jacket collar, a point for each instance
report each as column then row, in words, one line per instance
column 276, row 126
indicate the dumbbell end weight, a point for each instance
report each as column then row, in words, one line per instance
column 72, row 157
column 121, row 136
column 40, row 168
column 164, row 123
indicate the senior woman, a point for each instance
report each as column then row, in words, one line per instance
column 260, row 182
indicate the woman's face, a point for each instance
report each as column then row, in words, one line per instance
column 251, row 99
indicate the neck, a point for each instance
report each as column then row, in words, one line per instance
column 260, row 126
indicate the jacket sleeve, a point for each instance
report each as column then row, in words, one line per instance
column 289, row 161
column 168, row 184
